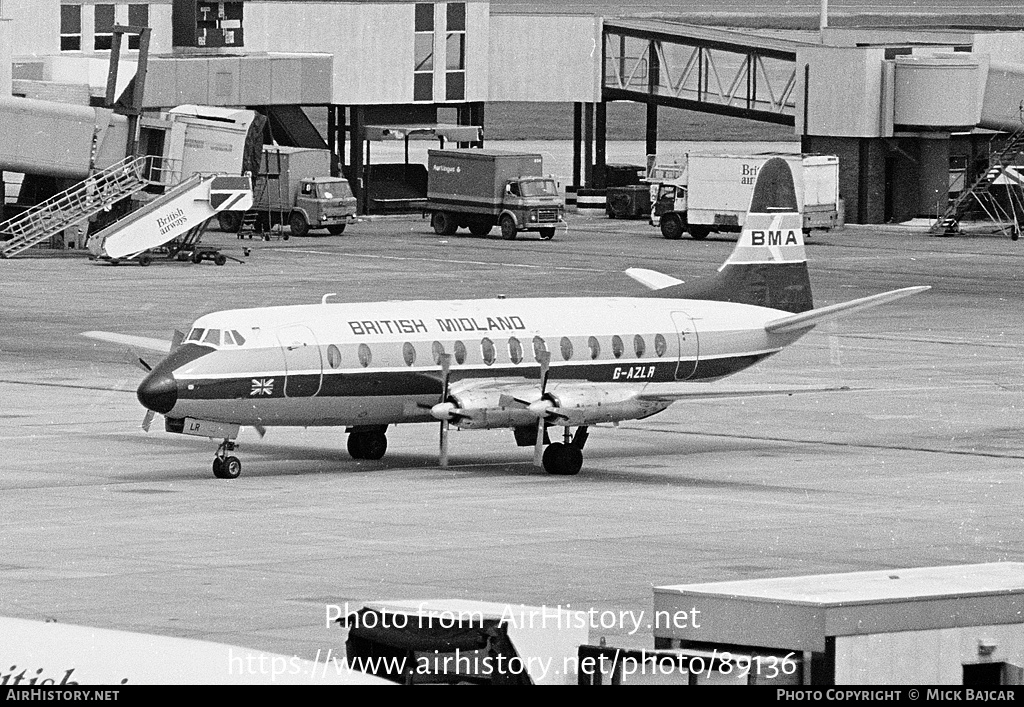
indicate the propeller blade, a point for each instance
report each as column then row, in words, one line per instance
column 133, row 357
column 443, row 454
column 177, row 336
column 445, row 360
column 538, row 447
column 544, row 358
column 148, row 420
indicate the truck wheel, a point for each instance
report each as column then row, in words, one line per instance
column 672, row 227
column 547, row 234
column 197, row 257
column 508, row 228
column 699, row 233
column 145, row 259
column 336, row 230
column 229, row 221
column 443, row 223
column 480, row 228
column 220, row 259
column 298, row 224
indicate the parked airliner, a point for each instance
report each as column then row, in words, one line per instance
column 527, row 364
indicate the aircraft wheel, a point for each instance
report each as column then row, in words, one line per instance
column 508, row 228
column 562, row 459
column 355, row 445
column 229, row 468
column 671, row 227
column 375, row 445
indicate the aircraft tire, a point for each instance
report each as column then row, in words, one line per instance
column 228, row 468
column 375, row 444
column 562, row 459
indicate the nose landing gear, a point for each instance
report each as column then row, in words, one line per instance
column 224, row 466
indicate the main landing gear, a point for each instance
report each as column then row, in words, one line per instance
column 566, row 458
column 224, row 466
column 367, row 442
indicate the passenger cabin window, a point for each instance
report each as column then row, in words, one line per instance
column 639, row 345
column 617, row 348
column 539, row 347
column 408, row 353
column 212, row 337
column 460, row 352
column 438, row 350
column 364, row 355
column 566, row 346
column 660, row 345
column 487, row 350
column 515, row 350
column 595, row 347
column 334, row 356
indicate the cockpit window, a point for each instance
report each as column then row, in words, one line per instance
column 239, row 339
column 212, row 337
column 195, row 335
column 228, row 339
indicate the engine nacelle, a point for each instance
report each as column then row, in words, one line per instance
column 574, row 405
column 481, row 409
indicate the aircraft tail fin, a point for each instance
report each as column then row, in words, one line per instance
column 768, row 266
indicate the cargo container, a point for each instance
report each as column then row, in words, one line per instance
column 711, row 193
column 294, row 186
column 478, row 189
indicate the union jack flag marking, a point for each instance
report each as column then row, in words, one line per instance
column 262, row 386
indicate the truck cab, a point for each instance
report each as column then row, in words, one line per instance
column 534, row 204
column 323, row 202
column 668, row 208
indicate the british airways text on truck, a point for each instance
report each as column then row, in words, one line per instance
column 711, row 193
column 480, row 189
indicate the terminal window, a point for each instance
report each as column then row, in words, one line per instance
column 455, row 52
column 423, row 71
column 138, row 16
column 70, row 28
column 103, row 27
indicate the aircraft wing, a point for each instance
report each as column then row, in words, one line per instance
column 142, row 342
column 707, row 391
column 804, row 320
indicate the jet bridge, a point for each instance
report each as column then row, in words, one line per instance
column 188, row 205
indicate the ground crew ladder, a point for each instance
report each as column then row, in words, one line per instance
column 998, row 161
column 251, row 218
column 87, row 198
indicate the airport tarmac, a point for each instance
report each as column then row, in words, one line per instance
column 101, row 524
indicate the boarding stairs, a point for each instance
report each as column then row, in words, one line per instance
column 999, row 160
column 97, row 192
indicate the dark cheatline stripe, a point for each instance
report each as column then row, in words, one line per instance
column 394, row 383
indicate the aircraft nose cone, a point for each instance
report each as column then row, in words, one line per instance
column 158, row 391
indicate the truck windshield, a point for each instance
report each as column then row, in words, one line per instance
column 538, row 187
column 333, row 190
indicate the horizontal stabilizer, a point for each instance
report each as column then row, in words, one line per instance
column 697, row 391
column 652, row 279
column 807, row 319
column 143, row 342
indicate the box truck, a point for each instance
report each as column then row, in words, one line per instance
column 294, row 186
column 711, row 193
column 478, row 189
